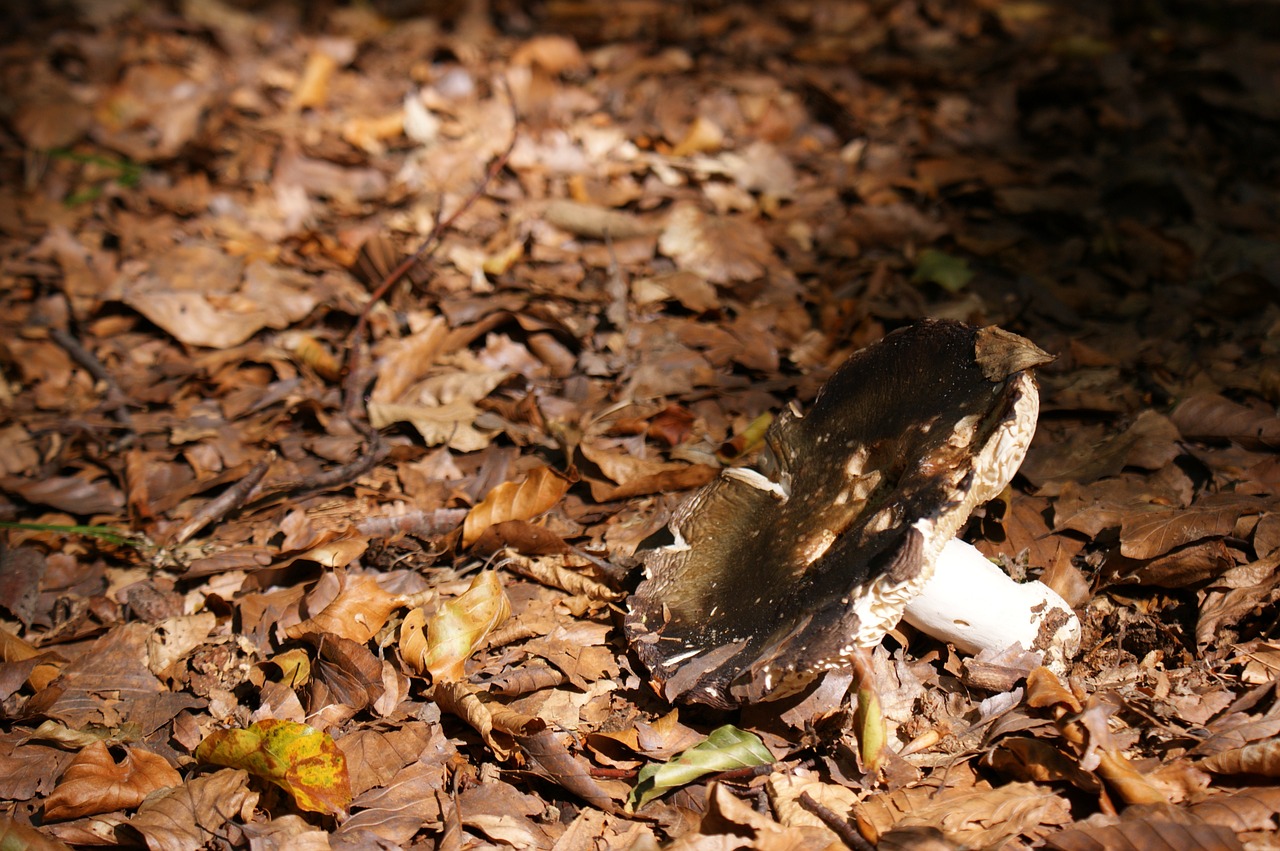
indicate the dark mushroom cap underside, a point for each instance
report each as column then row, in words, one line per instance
column 776, row 573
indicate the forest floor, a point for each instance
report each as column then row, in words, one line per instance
column 301, row 554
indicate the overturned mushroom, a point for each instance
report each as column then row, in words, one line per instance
column 779, row 572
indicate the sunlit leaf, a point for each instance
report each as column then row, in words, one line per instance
column 726, row 749
column 95, row 783
column 459, row 626
column 540, row 491
column 303, row 761
column 1260, row 758
column 357, row 613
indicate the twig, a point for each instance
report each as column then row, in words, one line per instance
column 353, row 404
column 118, row 402
column 848, row 835
column 228, row 501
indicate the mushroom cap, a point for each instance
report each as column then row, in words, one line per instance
column 779, row 572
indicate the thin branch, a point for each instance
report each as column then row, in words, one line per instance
column 848, row 835
column 117, row 401
column 228, row 501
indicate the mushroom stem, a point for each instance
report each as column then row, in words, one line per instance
column 976, row 606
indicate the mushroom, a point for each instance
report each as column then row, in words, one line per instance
column 775, row 573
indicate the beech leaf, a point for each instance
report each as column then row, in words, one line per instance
column 726, row 749
column 539, row 492
column 441, row 646
column 95, row 783
column 303, row 761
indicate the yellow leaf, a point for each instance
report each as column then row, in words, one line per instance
column 540, row 491
column 459, row 626
column 303, row 761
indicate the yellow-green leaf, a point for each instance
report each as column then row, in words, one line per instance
column 303, row 761
column 726, row 749
column 950, row 273
column 459, row 626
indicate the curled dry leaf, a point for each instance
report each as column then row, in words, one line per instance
column 442, row 646
column 539, row 492
column 187, row 815
column 560, row 571
column 357, row 613
column 95, row 783
column 1262, row 758
column 495, row 723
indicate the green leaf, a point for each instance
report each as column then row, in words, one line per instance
column 726, row 749
column 106, row 533
column 937, row 267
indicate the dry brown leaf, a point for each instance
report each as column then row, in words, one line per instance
column 977, row 817
column 229, row 310
column 462, row 700
column 451, row 424
column 541, row 489
column 549, row 757
column 594, row 221
column 723, row 249
column 1250, row 808
column 1262, row 758
column 74, row 494
column 1153, row 533
column 358, row 612
column 95, row 783
column 1142, row 833
column 16, row 835
column 1213, row 416
column 562, row 571
column 186, row 816
column 336, row 553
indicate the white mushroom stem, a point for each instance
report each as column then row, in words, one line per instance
column 976, row 606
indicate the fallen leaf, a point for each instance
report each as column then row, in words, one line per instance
column 185, row 816
column 95, row 783
column 936, row 267
column 725, row 749
column 358, row 612
column 456, row 629
column 303, row 761
column 723, row 249
column 541, row 489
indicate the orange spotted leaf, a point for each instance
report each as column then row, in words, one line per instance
column 303, row 761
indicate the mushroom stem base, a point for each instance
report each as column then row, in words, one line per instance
column 976, row 606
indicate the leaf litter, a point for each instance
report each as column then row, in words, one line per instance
column 248, row 477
